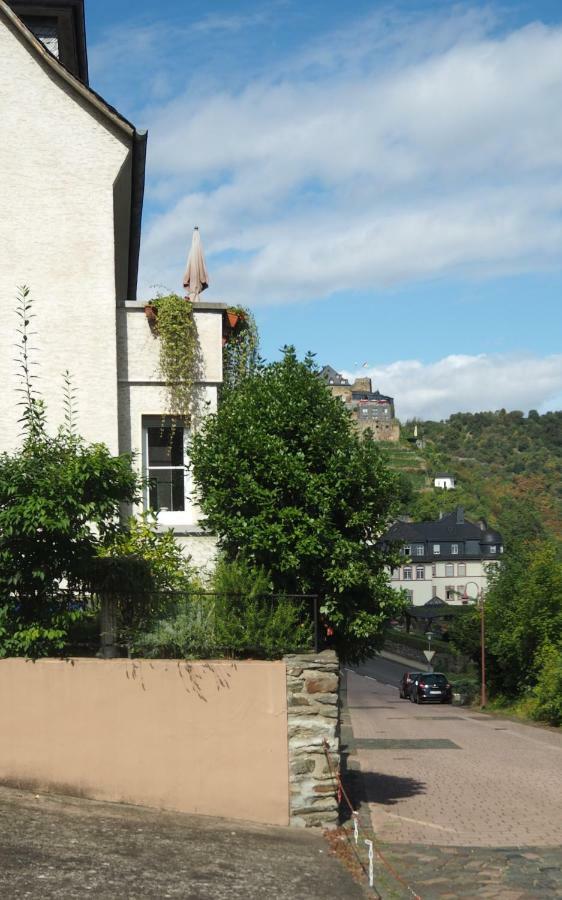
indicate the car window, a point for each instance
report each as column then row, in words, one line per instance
column 435, row 679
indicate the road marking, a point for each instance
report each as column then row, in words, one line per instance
column 421, row 822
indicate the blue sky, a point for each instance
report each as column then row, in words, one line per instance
column 382, row 185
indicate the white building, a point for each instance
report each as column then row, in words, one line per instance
column 445, row 559
column 71, row 192
column 447, row 482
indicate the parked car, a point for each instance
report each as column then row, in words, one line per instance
column 432, row 686
column 406, row 683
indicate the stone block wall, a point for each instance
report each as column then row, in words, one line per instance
column 313, row 717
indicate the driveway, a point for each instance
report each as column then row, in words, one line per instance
column 456, row 792
column 55, row 847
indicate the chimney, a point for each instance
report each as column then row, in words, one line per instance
column 460, row 515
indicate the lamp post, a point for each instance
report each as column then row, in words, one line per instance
column 479, row 599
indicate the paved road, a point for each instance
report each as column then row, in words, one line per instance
column 468, row 805
column 59, row 847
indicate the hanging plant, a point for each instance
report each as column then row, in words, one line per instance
column 178, row 364
column 240, row 355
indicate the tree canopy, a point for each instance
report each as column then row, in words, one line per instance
column 287, row 484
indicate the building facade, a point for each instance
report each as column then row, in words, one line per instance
column 369, row 409
column 71, row 193
column 447, row 559
column 444, row 481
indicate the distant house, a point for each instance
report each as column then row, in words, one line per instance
column 444, row 559
column 445, row 481
column 369, row 409
column 71, row 195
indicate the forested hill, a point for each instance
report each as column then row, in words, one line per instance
column 494, row 456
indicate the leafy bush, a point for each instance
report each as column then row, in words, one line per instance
column 238, row 618
column 547, row 694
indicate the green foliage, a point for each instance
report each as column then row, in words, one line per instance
column 240, row 355
column 546, row 696
column 285, row 481
column 238, row 617
column 496, row 457
column 60, row 501
column 179, row 353
column 523, row 613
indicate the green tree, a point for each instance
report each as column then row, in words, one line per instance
column 285, row 481
column 523, row 613
column 60, row 500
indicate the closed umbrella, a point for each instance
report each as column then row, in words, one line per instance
column 196, row 278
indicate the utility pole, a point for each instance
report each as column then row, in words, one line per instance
column 483, row 697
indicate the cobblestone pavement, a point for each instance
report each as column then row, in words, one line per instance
column 461, row 804
column 59, row 847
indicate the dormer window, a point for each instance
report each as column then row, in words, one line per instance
column 46, row 29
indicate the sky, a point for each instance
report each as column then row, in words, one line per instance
column 380, row 183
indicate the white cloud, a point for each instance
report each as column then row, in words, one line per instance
column 346, row 173
column 469, row 384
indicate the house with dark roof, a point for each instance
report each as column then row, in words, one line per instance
column 369, row 409
column 71, row 196
column 447, row 559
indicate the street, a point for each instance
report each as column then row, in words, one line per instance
column 445, row 777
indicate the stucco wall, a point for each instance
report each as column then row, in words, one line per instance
column 59, row 162
column 201, row 737
column 474, row 580
column 141, row 394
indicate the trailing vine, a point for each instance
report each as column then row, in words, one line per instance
column 178, row 363
column 240, row 355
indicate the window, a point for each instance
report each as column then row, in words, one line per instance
column 450, row 592
column 164, row 457
column 434, row 570
column 461, row 570
column 407, row 573
column 420, row 571
column 492, row 548
column 433, row 591
column 449, row 570
column 436, row 549
column 454, row 549
column 364, row 411
column 420, row 549
column 410, row 596
column 407, row 551
column 395, row 574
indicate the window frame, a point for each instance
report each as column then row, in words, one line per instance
column 422, row 570
column 167, row 517
column 408, row 577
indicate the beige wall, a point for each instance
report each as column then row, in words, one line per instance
column 59, row 162
column 203, row 737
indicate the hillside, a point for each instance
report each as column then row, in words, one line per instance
column 494, row 456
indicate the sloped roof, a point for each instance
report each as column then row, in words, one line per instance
column 445, row 529
column 71, row 28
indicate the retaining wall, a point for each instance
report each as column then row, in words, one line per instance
column 235, row 739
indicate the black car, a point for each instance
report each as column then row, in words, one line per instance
column 406, row 683
column 431, row 686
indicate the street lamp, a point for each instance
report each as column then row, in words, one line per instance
column 479, row 599
column 429, row 654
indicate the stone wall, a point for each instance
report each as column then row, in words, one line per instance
column 313, row 716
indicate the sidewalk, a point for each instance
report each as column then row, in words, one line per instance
column 65, row 848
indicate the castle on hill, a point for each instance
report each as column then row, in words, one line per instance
column 369, row 409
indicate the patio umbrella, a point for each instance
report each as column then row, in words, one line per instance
column 196, row 278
